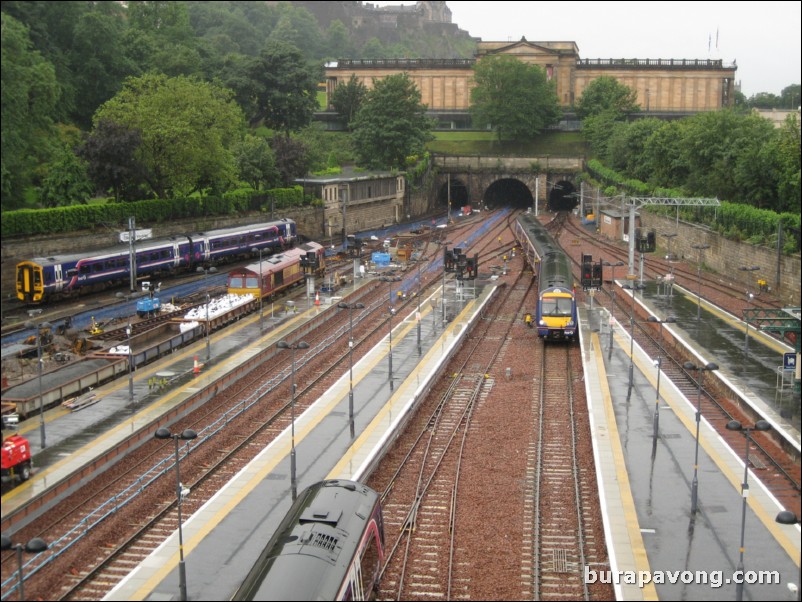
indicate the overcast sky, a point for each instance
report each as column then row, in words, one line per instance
column 763, row 38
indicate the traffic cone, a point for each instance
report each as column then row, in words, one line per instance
column 317, row 298
column 196, row 367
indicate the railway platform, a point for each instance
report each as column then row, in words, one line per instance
column 645, row 496
column 222, row 539
column 646, row 485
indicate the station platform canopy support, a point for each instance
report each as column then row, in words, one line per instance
column 785, row 321
column 634, row 202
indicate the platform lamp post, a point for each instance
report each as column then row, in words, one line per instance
column 40, row 366
column 617, row 264
column 344, row 198
column 656, row 420
column 261, row 288
column 181, row 493
column 710, row 366
column 34, row 546
column 130, row 364
column 632, row 288
column 351, row 307
column 750, row 298
column 443, row 294
column 669, row 257
column 390, row 355
column 786, row 517
column 293, row 475
column 699, row 248
column 208, row 329
column 734, row 425
column 418, row 314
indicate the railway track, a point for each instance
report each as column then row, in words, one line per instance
column 460, row 486
column 234, row 416
column 777, row 464
column 657, row 268
column 128, row 492
column 504, row 485
column 562, row 544
column 422, row 523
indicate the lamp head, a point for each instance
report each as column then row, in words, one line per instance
column 188, row 434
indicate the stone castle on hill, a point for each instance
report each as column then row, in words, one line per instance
column 385, row 23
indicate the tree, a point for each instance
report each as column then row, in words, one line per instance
column 292, row 158
column 626, row 145
column 29, row 95
column 165, row 39
column 790, row 96
column 256, row 162
column 764, row 100
column 99, row 63
column 339, row 41
column 111, row 156
column 188, row 128
column 516, row 99
column 606, row 94
column 348, row 97
column 788, row 161
column 66, row 180
column 286, row 97
column 391, row 125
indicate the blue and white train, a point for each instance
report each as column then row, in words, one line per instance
column 555, row 316
column 44, row 279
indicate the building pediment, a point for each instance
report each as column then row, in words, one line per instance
column 524, row 47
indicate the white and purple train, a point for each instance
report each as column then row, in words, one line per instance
column 44, row 279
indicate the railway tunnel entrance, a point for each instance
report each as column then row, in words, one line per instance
column 508, row 192
column 457, row 191
column 511, row 192
column 563, row 196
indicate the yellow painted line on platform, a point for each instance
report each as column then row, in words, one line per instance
column 155, row 409
column 649, row 591
column 754, row 332
column 382, row 419
column 280, row 450
column 733, row 474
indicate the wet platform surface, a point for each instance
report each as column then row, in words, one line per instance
column 645, row 495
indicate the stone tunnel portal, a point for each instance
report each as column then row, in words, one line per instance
column 511, row 192
column 563, row 197
column 508, row 192
column 456, row 191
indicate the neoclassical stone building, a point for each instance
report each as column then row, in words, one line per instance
column 662, row 85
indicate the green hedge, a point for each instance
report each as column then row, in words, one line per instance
column 27, row 222
column 733, row 220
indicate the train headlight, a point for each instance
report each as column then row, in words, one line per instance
column 541, row 323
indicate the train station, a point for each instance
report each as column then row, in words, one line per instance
column 682, row 510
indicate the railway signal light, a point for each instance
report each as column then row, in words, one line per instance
column 587, row 275
column 449, row 260
column 596, row 280
column 472, row 267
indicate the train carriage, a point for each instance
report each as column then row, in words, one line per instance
column 329, row 546
column 46, row 278
column 278, row 271
column 555, row 314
